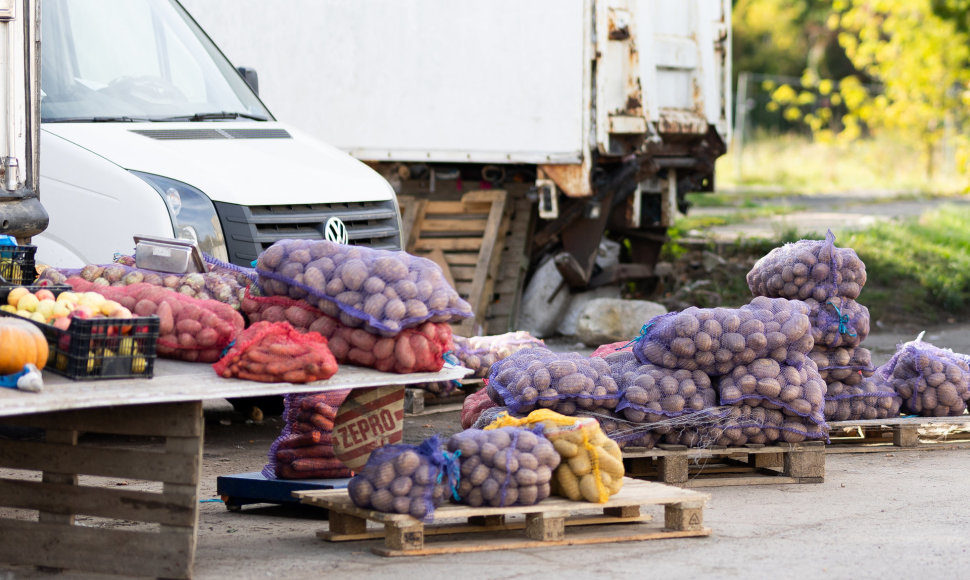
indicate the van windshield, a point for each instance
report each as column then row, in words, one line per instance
column 135, row 60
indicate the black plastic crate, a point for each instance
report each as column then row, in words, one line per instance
column 17, row 265
column 98, row 348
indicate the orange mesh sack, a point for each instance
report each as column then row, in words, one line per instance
column 272, row 352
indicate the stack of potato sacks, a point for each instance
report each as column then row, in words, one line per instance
column 755, row 358
column 386, row 310
column 829, row 279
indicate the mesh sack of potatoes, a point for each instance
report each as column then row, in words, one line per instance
column 380, row 290
column 488, row 416
column 304, row 448
column 796, row 391
column 473, row 406
column 591, row 467
column 868, row 399
column 748, row 424
column 479, row 353
column 651, row 393
column 223, row 282
column 849, row 366
column 563, row 382
column 406, row 479
column 417, row 349
column 503, row 467
column 808, row 269
column 189, row 329
column 838, row 322
column 717, row 340
column 932, row 381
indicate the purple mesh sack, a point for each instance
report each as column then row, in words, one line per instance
column 651, row 393
column 563, row 382
column 479, row 353
column 932, row 382
column 869, row 399
column 796, row 392
column 717, row 340
column 808, row 269
column 849, row 366
column 504, row 466
column 406, row 479
column 223, row 282
column 747, row 424
column 488, row 416
column 838, row 322
column 383, row 291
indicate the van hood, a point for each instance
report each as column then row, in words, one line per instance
column 243, row 163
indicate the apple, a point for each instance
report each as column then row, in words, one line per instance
column 92, row 299
column 44, row 294
column 61, row 310
column 38, row 317
column 16, row 294
column 69, row 298
column 46, row 307
column 28, row 302
column 83, row 311
column 109, row 306
column 8, row 308
column 62, row 323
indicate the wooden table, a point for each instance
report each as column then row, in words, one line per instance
column 63, row 486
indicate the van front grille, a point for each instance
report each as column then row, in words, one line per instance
column 251, row 229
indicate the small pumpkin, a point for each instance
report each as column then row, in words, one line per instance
column 20, row 343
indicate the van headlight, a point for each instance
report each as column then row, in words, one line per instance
column 193, row 215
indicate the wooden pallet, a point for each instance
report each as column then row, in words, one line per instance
column 900, row 433
column 457, row 528
column 416, row 399
column 466, row 238
column 75, row 516
column 708, row 467
column 503, row 311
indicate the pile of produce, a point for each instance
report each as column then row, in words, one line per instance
column 563, row 382
column 406, row 479
column 504, row 466
column 190, row 329
column 223, row 282
column 379, row 290
column 272, row 352
column 418, row 349
column 304, row 449
column 931, row 381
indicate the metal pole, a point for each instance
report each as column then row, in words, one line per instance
column 740, row 120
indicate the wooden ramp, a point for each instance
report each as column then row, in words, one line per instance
column 479, row 242
column 554, row 521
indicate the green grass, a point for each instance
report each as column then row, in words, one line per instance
column 792, row 164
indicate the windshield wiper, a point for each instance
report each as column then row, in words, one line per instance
column 215, row 116
column 120, row 119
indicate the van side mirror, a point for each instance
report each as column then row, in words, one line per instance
column 249, row 75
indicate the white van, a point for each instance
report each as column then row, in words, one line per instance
column 147, row 129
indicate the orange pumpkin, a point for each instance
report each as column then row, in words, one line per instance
column 20, row 343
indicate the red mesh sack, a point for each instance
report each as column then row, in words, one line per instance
column 304, row 449
column 473, row 406
column 272, row 352
column 189, row 329
column 418, row 349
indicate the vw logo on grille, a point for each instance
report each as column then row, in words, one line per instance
column 336, row 231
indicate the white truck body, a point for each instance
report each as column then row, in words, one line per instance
column 504, row 81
